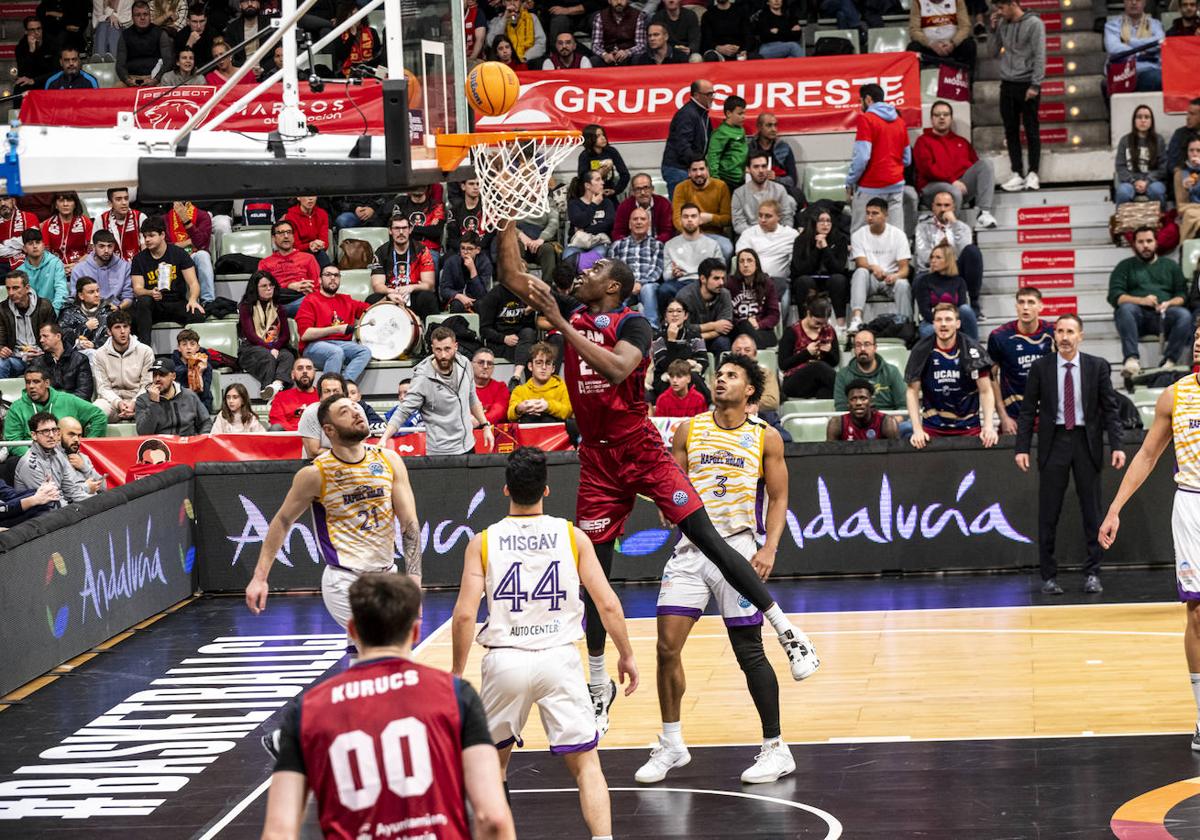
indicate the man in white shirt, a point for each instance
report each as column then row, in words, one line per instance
column 683, row 254
column 311, row 433
column 943, row 224
column 758, row 189
column 881, row 255
column 773, row 243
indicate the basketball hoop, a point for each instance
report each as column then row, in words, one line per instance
column 513, row 169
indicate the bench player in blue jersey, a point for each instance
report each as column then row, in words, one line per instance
column 1013, row 348
column 948, row 393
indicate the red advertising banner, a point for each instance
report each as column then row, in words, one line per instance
column 1052, row 111
column 1052, row 307
column 1055, row 65
column 1053, row 21
column 1043, row 235
column 1049, row 88
column 1059, row 214
column 1053, row 43
column 114, row 456
column 1047, row 281
column 1180, row 58
column 332, row 112
column 809, row 95
column 1038, row 260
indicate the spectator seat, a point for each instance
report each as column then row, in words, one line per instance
column 894, row 354
column 356, row 282
column 825, row 180
column 374, row 235
column 888, row 39
column 806, row 429
column 850, row 35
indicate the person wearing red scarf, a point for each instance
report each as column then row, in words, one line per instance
column 311, row 224
column 68, row 233
column 122, row 221
column 190, row 228
column 358, row 45
column 13, row 222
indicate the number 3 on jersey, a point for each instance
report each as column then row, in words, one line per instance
column 546, row 589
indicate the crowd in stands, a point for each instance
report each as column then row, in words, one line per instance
column 730, row 257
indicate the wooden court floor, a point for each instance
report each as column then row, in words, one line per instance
column 1000, row 672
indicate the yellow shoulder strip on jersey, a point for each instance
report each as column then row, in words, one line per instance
column 483, row 550
column 574, row 547
column 320, row 465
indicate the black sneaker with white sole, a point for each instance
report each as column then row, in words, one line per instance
column 602, row 700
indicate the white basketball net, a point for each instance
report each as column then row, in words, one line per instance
column 514, row 176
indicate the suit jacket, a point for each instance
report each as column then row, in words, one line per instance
column 1099, row 402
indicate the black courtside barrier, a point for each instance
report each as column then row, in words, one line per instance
column 82, row 574
column 853, row 509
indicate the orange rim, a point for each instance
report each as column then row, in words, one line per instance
column 452, row 149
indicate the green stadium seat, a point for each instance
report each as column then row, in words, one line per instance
column 1191, row 251
column 888, row 39
column 356, row 282
column 1168, row 18
column 218, row 335
column 374, row 235
column 769, row 358
column 850, row 35
column 896, row 355
column 825, row 180
column 11, row 389
column 105, row 73
column 1147, row 413
column 121, row 430
column 250, row 241
column 929, row 84
column 806, row 429
column 472, row 320
column 806, row 407
column 1147, row 396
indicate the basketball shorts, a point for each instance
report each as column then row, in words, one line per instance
column 690, row 581
column 612, row 477
column 1185, row 531
column 335, row 591
column 513, row 681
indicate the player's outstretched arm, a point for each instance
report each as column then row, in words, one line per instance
column 510, row 267
column 466, row 608
column 285, row 806
column 1153, row 446
column 404, row 508
column 592, row 576
column 679, row 444
column 305, row 488
column 775, row 479
column 485, row 792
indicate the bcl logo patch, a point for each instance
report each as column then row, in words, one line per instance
column 602, row 321
column 680, row 498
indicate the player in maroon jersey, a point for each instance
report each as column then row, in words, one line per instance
column 389, row 748
column 605, row 356
column 863, row 421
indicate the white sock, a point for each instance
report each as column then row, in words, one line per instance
column 602, row 837
column 673, row 733
column 1196, row 691
column 597, row 676
column 778, row 620
column 772, row 743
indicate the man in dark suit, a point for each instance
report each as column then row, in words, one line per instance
column 1071, row 397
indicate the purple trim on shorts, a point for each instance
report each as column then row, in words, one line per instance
column 574, row 748
column 1187, row 594
column 510, row 741
column 748, row 620
column 690, row 612
column 1182, row 488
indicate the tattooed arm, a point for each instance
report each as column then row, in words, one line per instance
column 405, row 510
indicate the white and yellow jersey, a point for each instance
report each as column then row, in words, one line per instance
column 1185, row 428
column 531, row 581
column 726, row 468
column 352, row 516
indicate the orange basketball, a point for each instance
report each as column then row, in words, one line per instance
column 492, row 88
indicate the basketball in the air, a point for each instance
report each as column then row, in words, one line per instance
column 492, row 88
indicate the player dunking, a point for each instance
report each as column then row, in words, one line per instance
column 621, row 454
column 1176, row 419
column 530, row 567
column 355, row 492
column 389, row 748
column 731, row 457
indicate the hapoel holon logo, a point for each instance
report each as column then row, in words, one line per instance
column 57, row 619
column 165, row 109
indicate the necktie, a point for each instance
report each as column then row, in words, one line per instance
column 1068, row 397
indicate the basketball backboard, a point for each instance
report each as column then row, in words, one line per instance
column 423, row 44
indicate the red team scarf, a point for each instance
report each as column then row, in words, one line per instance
column 126, row 233
column 72, row 246
column 15, row 226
